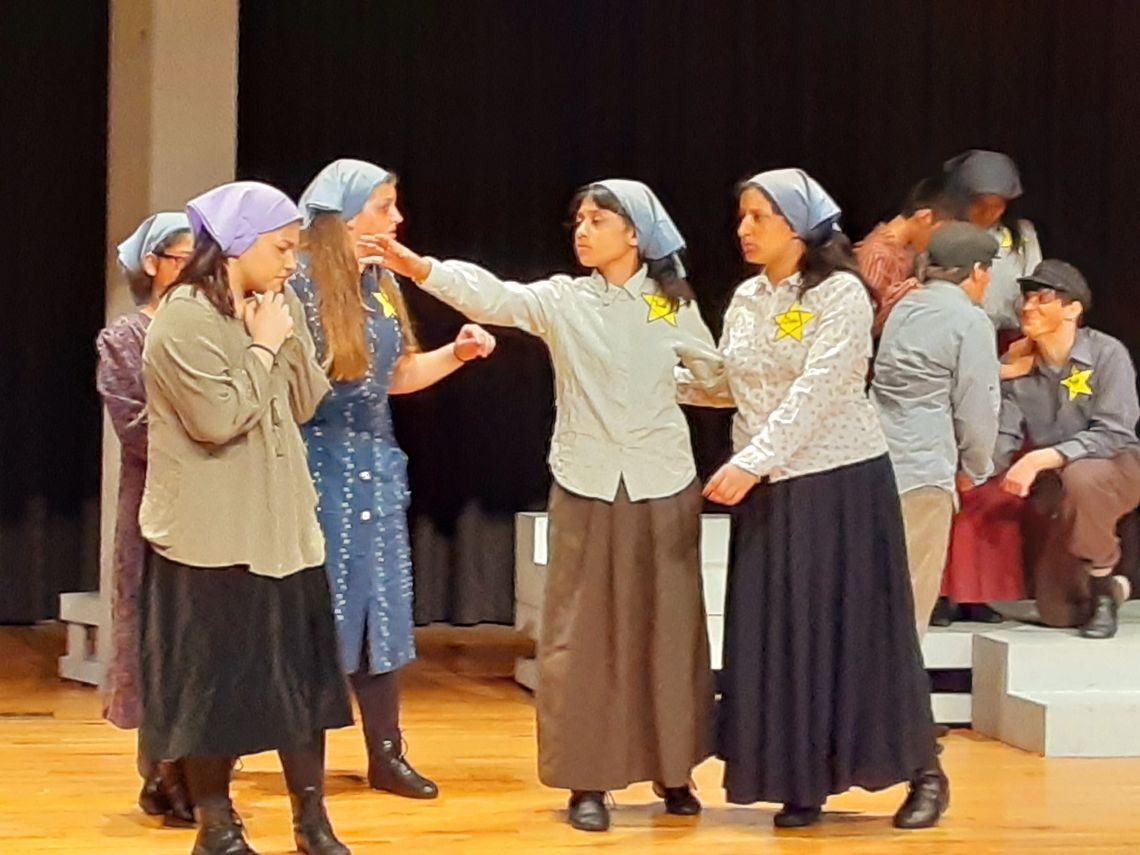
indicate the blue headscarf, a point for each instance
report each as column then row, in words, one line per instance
column 150, row 233
column 657, row 235
column 341, row 187
column 236, row 214
column 807, row 207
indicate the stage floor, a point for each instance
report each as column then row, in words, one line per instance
column 67, row 781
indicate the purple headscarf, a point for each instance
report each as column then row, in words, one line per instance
column 236, row 214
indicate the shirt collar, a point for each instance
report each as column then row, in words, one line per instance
column 638, row 283
column 763, row 283
column 1081, row 352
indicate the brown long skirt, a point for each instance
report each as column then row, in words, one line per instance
column 625, row 688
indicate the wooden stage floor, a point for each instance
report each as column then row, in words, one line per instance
column 67, row 781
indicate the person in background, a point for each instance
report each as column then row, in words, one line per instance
column 1074, row 415
column 936, row 385
column 981, row 184
column 152, row 257
column 888, row 255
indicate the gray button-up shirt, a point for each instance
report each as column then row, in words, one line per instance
column 614, row 349
column 1085, row 408
column 937, row 388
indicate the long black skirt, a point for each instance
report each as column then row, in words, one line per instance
column 824, row 685
column 234, row 663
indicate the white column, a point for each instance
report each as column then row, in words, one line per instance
column 171, row 133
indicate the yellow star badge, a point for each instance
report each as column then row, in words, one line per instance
column 1006, row 239
column 1078, row 383
column 791, row 323
column 661, row 307
column 385, row 304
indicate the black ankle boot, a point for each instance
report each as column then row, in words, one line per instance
column 797, row 816
column 1102, row 623
column 679, row 801
column 388, row 770
column 588, row 811
column 152, row 797
column 312, row 831
column 220, row 831
column 928, row 799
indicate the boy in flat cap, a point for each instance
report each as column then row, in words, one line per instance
column 936, row 384
column 1077, row 409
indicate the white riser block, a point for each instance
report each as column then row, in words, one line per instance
column 1090, row 724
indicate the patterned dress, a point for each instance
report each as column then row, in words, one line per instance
column 119, row 380
column 362, row 482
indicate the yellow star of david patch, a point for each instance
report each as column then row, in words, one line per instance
column 1078, row 383
column 385, row 304
column 1006, row 239
column 791, row 323
column 661, row 308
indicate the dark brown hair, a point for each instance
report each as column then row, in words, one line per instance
column 142, row 282
column 205, row 271
column 825, row 254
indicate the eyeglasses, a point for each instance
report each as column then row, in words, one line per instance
column 1040, row 296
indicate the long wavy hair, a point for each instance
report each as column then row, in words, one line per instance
column 334, row 270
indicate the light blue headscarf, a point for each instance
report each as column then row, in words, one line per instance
column 807, row 207
column 341, row 187
column 657, row 235
column 236, row 214
column 150, row 233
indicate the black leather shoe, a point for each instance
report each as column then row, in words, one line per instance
column 679, row 801
column 944, row 612
column 928, row 799
column 388, row 770
column 588, row 811
column 312, row 831
column 1102, row 624
column 220, row 831
column 980, row 613
column 152, row 798
column 797, row 816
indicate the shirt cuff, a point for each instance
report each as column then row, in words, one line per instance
column 1071, row 449
column 753, row 460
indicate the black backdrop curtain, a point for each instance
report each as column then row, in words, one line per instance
column 53, row 116
column 493, row 112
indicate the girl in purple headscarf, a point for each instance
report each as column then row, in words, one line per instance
column 239, row 650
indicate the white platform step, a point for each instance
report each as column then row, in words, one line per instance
column 1052, row 692
column 86, row 615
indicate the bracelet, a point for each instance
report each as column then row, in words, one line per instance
column 266, row 348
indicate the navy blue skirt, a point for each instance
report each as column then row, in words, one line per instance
column 823, row 682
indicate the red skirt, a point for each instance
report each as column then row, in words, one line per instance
column 984, row 563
